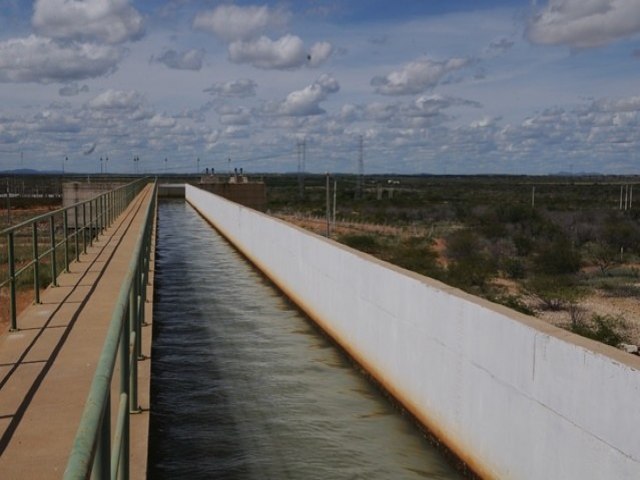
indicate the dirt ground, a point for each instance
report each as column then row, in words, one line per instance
column 24, row 299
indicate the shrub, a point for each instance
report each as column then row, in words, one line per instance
column 469, row 264
column 621, row 233
column 609, row 329
column 416, row 254
column 513, row 302
column 603, row 256
column 362, row 242
column 514, row 268
column 554, row 292
column 557, row 258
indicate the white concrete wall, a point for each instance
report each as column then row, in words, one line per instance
column 512, row 396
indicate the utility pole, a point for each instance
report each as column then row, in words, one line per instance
column 626, row 197
column 533, row 196
column 198, row 165
column 328, row 196
column 165, row 165
column 621, row 189
column 335, row 190
column 302, row 165
column 8, row 205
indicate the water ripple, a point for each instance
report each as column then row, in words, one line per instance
column 244, row 388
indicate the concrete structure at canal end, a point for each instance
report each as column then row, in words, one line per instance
column 513, row 397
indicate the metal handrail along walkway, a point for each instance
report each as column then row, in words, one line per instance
column 49, row 364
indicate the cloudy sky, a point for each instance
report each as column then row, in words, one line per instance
column 428, row 86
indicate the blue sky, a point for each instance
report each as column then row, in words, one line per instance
column 526, row 87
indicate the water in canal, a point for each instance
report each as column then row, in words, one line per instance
column 243, row 387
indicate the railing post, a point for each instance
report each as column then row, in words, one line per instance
column 52, row 237
column 103, row 216
column 99, row 215
column 140, row 279
column 101, row 460
column 108, row 203
column 90, row 222
column 116, row 455
column 36, row 263
column 133, row 406
column 84, row 228
column 65, row 227
column 12, row 282
column 77, row 232
column 125, row 380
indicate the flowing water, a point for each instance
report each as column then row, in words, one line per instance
column 244, row 387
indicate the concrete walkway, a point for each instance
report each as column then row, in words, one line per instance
column 46, row 368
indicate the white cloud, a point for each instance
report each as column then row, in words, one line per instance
column 53, row 122
column 307, row 101
column 240, row 88
column 232, row 23
column 42, row 60
column 319, row 53
column 584, row 23
column 162, row 121
column 428, row 105
column 188, row 60
column 230, row 115
column 629, row 104
column 109, row 21
column 417, row 76
column 72, row 89
column 244, row 28
column 117, row 100
column 484, row 122
column 284, row 53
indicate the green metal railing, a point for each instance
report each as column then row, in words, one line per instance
column 56, row 237
column 95, row 454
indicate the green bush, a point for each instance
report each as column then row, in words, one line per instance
column 513, row 302
column 557, row 258
column 609, row 329
column 416, row 254
column 514, row 268
column 362, row 242
column 469, row 264
column 554, row 292
column 621, row 233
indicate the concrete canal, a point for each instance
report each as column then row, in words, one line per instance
column 245, row 387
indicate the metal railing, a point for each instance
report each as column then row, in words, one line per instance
column 65, row 234
column 94, row 452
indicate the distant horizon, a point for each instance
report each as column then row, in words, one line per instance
column 59, row 173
